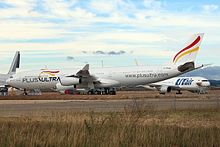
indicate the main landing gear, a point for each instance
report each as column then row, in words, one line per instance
column 103, row 91
column 32, row 92
column 4, row 91
column 179, row 92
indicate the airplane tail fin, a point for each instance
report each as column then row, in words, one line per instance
column 185, row 58
column 15, row 63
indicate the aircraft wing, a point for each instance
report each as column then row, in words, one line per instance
column 185, row 66
column 154, row 86
column 83, row 76
column 150, row 86
column 83, row 73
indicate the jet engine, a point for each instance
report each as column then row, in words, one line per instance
column 106, row 83
column 68, row 81
column 165, row 89
column 60, row 87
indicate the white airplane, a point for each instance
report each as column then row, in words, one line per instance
column 106, row 79
column 198, row 85
column 3, row 77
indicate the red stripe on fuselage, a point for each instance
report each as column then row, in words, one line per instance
column 52, row 71
column 188, row 47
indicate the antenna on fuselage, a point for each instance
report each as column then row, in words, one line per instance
column 136, row 62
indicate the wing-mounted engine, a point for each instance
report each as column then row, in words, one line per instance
column 68, row 81
column 100, row 83
column 165, row 89
column 62, row 88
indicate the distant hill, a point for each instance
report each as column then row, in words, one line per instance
column 211, row 73
column 215, row 83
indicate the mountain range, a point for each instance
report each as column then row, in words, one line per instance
column 211, row 73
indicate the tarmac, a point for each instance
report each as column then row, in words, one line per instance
column 16, row 108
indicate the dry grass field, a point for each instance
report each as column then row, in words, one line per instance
column 136, row 126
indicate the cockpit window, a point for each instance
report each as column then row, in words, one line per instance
column 11, row 77
column 204, row 80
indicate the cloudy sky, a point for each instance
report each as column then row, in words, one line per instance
column 67, row 33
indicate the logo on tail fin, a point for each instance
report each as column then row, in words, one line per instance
column 187, row 50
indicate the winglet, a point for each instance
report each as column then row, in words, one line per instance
column 84, row 72
column 86, row 67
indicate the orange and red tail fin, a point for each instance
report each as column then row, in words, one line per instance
column 188, row 54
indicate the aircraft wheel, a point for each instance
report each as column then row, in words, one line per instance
column 98, row 92
column 179, row 92
column 90, row 92
column 106, row 91
column 113, row 92
column 25, row 92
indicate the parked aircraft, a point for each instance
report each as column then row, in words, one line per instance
column 198, row 85
column 106, row 79
column 3, row 77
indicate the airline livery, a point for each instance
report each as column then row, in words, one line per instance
column 198, row 85
column 105, row 80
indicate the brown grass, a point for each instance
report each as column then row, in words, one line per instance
column 136, row 126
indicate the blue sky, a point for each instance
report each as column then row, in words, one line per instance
column 67, row 33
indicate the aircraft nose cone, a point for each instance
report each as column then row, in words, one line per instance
column 205, row 84
column 208, row 84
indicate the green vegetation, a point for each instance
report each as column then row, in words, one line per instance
column 134, row 127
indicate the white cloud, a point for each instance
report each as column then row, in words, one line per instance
column 153, row 32
column 13, row 30
column 103, row 6
column 210, row 7
column 18, row 9
column 153, row 4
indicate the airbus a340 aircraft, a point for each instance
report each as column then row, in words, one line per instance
column 193, row 84
column 3, row 77
column 109, row 78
